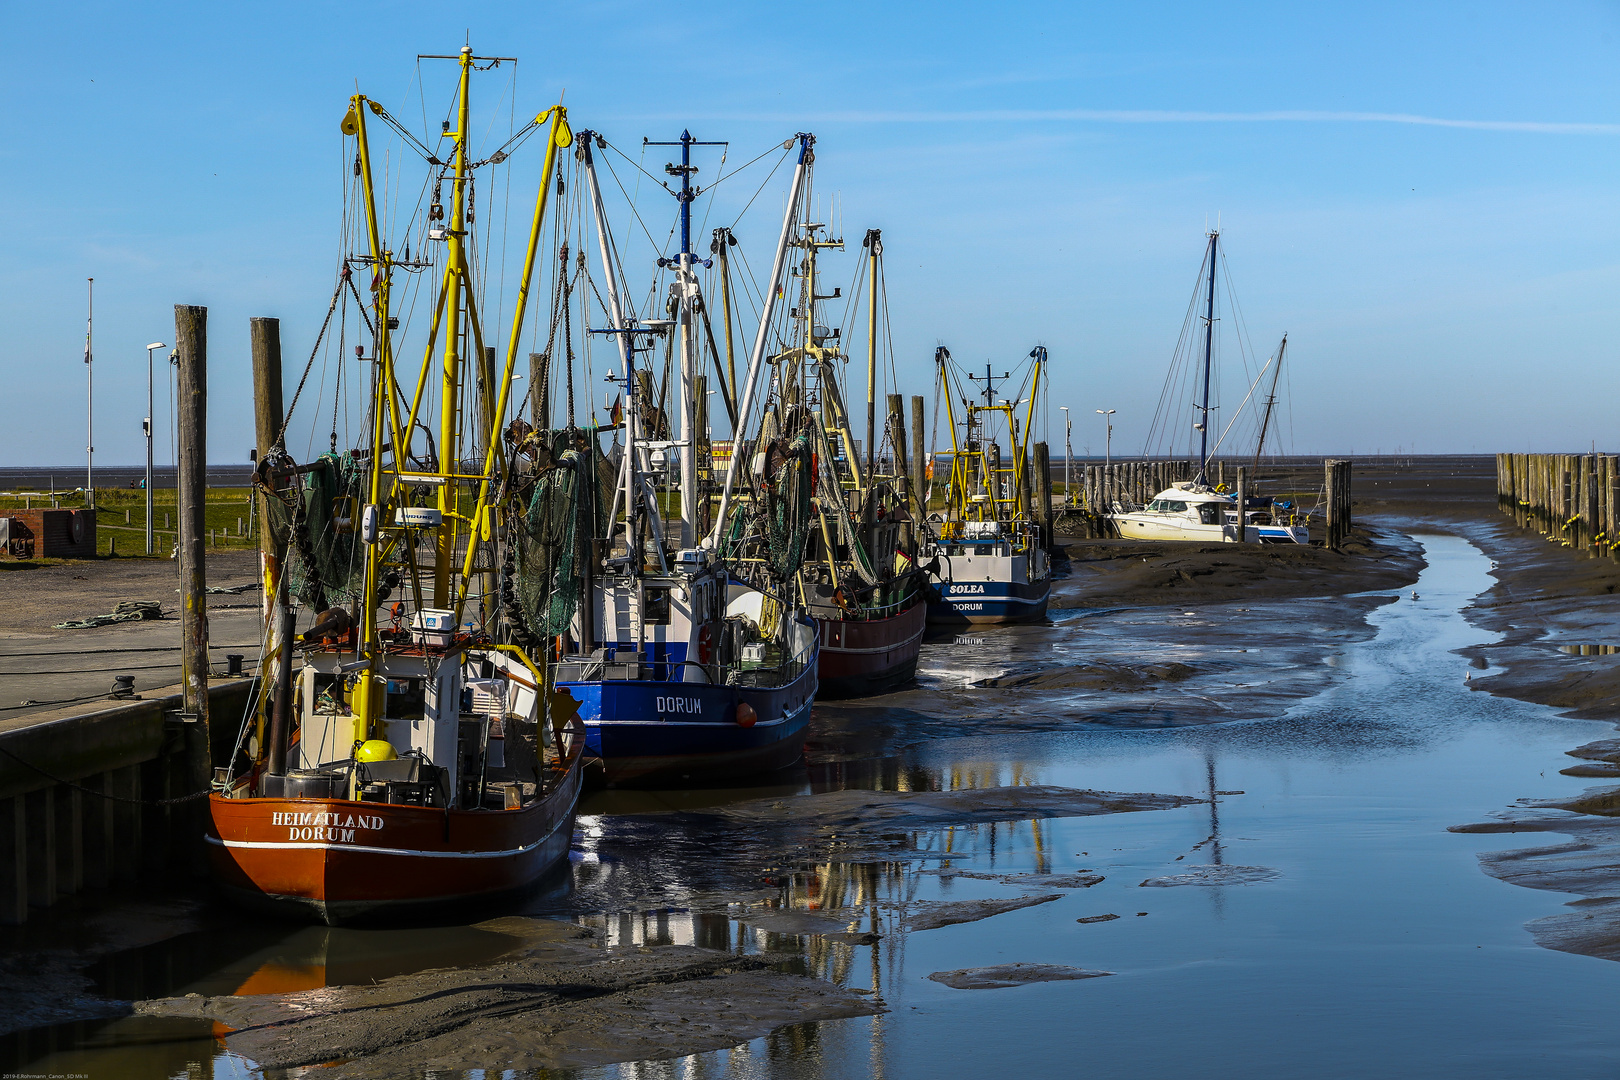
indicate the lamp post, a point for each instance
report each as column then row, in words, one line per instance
column 147, row 425
column 89, row 396
column 1108, row 438
column 1068, row 453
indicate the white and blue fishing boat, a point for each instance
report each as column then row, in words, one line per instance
column 988, row 562
column 681, row 670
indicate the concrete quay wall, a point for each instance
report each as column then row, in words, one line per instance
column 79, row 790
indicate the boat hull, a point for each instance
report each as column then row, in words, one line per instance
column 869, row 656
column 989, row 602
column 984, row 584
column 656, row 731
column 339, row 860
column 1145, row 526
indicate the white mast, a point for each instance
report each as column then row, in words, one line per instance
column 745, row 410
column 632, row 468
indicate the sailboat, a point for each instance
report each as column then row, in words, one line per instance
column 684, row 668
column 417, row 757
column 988, row 561
column 1194, row 510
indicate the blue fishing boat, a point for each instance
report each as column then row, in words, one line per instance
column 683, row 669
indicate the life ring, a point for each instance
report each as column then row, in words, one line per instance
column 705, row 644
column 746, row 716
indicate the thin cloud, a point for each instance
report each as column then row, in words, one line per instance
column 1155, row 116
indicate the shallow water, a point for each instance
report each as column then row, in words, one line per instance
column 1321, row 921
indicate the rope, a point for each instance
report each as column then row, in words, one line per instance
column 785, row 151
column 568, row 325
column 125, row 611
column 102, row 794
column 337, row 293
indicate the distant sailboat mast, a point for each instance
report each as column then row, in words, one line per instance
column 1271, row 403
column 1209, row 348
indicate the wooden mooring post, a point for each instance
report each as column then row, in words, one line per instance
column 191, row 340
column 268, row 416
column 920, row 459
column 895, row 422
column 1571, row 499
column 1043, row 495
column 1337, row 498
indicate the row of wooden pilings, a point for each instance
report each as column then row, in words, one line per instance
column 1098, row 489
column 1573, row 499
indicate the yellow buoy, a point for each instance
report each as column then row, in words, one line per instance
column 375, row 750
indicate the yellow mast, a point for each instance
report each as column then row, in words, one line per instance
column 560, row 136
column 354, row 123
column 449, row 442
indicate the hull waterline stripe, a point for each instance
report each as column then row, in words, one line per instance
column 783, row 719
column 977, row 599
column 876, row 649
column 269, row 845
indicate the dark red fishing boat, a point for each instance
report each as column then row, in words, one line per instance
column 862, row 656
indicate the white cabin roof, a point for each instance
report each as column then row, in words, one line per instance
column 1186, row 492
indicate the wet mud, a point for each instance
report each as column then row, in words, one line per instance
column 1027, row 881
column 1000, row 976
column 1212, row 876
column 562, row 1001
column 1144, row 636
column 931, row 915
column 1588, row 865
column 1109, row 573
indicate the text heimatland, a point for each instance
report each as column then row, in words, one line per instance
column 323, row 825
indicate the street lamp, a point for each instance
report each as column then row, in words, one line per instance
column 1068, row 454
column 89, row 396
column 1108, row 439
column 147, row 425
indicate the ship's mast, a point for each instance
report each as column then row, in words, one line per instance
column 450, row 385
column 1209, row 348
column 874, row 251
column 745, row 407
column 1271, row 403
column 684, row 291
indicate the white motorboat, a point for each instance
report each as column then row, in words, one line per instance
column 1193, row 510
column 1189, row 511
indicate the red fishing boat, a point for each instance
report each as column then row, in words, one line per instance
column 419, row 755
column 339, row 859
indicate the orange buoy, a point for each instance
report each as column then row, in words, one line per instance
column 746, row 717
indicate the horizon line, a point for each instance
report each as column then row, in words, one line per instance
column 1158, row 116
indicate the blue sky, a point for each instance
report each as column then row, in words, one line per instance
column 1042, row 173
